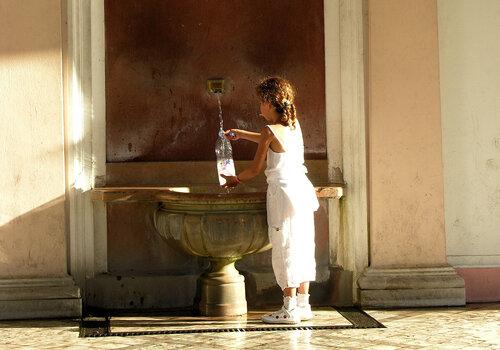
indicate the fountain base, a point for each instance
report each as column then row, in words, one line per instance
column 222, row 228
column 221, row 290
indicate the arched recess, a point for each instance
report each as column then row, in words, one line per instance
column 84, row 110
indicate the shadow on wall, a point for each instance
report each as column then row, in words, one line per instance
column 135, row 247
column 29, row 26
column 34, row 244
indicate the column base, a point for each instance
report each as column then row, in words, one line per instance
column 39, row 298
column 411, row 287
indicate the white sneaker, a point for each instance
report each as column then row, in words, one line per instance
column 283, row 316
column 305, row 312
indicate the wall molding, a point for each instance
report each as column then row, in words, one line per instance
column 354, row 204
column 22, row 298
column 474, row 261
column 345, row 46
column 411, row 287
column 84, row 111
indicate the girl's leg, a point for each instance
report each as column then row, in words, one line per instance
column 304, row 288
column 303, row 301
column 289, row 292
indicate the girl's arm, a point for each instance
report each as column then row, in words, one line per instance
column 242, row 134
column 258, row 163
column 249, row 135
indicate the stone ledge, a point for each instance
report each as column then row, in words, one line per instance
column 411, row 287
column 211, row 192
column 39, row 298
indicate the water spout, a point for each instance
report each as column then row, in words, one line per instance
column 215, row 86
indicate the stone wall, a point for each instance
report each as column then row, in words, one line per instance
column 470, row 109
column 33, row 225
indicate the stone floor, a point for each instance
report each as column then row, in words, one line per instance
column 475, row 326
column 323, row 316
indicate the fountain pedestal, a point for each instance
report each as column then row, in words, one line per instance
column 221, row 290
column 223, row 228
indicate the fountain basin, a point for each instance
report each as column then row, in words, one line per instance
column 228, row 229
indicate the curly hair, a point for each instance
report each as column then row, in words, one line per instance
column 280, row 93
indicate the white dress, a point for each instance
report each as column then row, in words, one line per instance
column 291, row 203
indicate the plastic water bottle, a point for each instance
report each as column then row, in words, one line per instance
column 224, row 154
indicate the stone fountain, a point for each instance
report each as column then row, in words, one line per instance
column 196, row 216
column 222, row 227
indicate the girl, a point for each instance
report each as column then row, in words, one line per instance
column 291, row 199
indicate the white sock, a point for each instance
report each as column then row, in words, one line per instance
column 289, row 303
column 302, row 299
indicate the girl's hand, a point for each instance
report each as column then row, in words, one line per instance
column 233, row 134
column 230, row 181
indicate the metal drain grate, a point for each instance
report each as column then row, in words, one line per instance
column 359, row 318
column 94, row 327
column 100, row 326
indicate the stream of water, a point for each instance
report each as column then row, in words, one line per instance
column 223, row 150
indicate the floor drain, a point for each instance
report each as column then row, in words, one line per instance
column 359, row 318
column 100, row 326
column 94, row 327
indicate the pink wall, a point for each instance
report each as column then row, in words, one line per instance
column 404, row 147
column 481, row 284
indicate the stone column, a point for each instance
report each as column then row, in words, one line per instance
column 408, row 264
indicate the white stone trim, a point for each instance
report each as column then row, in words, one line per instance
column 83, row 76
column 333, row 121
column 354, row 205
column 98, row 92
column 99, row 133
column 332, row 91
column 346, row 136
